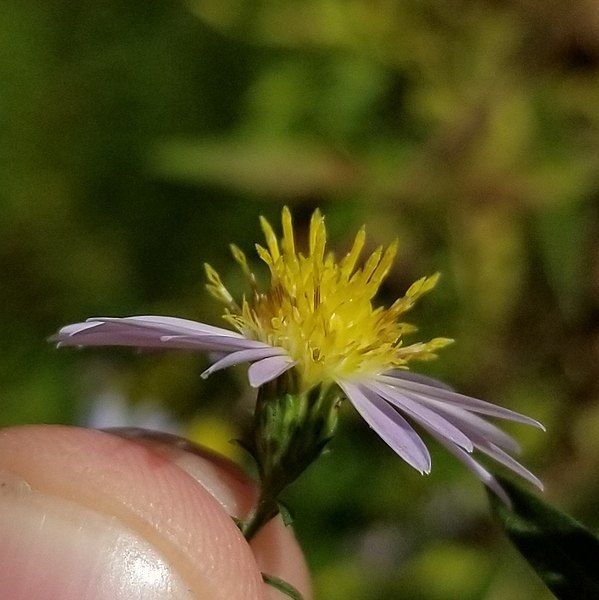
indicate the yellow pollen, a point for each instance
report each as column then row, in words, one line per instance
column 320, row 310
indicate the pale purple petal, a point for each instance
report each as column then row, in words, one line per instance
column 153, row 332
column 170, row 325
column 241, row 356
column 426, row 417
column 471, row 404
column 103, row 334
column 479, row 431
column 470, row 424
column 476, row 468
column 75, row 328
column 506, row 460
column 109, row 334
column 390, row 426
column 267, row 369
column 217, row 343
column 418, row 378
column 143, row 324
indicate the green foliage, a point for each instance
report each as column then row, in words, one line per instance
column 560, row 549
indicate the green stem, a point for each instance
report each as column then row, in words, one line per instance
column 290, row 431
column 266, row 509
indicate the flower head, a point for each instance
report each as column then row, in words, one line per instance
column 318, row 321
column 321, row 312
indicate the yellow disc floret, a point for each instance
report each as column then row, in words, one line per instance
column 320, row 310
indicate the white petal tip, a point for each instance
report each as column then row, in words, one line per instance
column 536, row 424
column 424, row 470
column 205, row 374
column 469, row 447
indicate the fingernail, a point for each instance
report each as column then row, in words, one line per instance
column 225, row 482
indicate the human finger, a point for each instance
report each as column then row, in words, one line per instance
column 87, row 514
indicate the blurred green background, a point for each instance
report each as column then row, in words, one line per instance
column 138, row 139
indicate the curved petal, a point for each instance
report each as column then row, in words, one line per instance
column 479, row 432
column 241, row 356
column 73, row 329
column 425, row 416
column 267, row 369
column 389, row 425
column 470, row 424
column 152, row 332
column 107, row 334
column 170, row 325
column 418, row 378
column 507, row 461
column 216, row 343
column 471, row 404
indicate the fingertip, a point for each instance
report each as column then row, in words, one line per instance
column 275, row 547
column 81, row 483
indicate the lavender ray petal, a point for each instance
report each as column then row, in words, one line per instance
column 425, row 416
column 102, row 334
column 241, row 356
column 471, row 404
column 74, row 329
column 153, row 332
column 212, row 342
column 267, row 369
column 476, row 468
column 122, row 333
column 472, row 425
column 169, row 325
column 390, row 426
column 507, row 461
column 418, row 378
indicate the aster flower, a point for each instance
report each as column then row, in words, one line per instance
column 315, row 337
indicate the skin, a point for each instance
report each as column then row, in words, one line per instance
column 131, row 515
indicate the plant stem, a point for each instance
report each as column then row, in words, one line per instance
column 266, row 509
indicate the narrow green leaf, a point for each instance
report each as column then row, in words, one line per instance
column 282, row 586
column 563, row 552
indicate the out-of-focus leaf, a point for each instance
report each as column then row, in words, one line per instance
column 274, row 168
column 563, row 237
column 316, row 23
column 563, row 552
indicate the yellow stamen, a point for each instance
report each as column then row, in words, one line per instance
column 320, row 311
column 271, row 239
column 349, row 262
column 288, row 242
